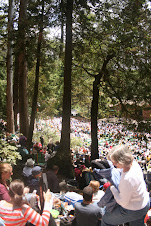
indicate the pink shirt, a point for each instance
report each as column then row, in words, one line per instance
column 4, row 193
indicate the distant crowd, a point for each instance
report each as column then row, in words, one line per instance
column 118, row 182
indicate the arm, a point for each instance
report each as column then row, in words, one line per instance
column 122, row 196
column 35, row 218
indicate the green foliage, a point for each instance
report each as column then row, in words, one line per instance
column 100, row 27
column 48, row 134
column 144, row 127
column 76, row 141
column 50, row 82
column 3, row 98
column 8, row 152
column 3, row 76
column 114, row 28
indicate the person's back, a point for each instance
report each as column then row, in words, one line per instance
column 87, row 214
column 18, row 213
column 33, row 180
column 27, row 170
column 53, row 182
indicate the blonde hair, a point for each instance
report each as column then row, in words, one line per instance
column 4, row 168
column 121, row 154
column 95, row 185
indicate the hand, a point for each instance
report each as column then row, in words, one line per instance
column 47, row 196
column 26, row 190
column 57, row 202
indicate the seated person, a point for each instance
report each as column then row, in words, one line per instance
column 37, row 147
column 27, row 170
column 5, row 175
column 87, row 214
column 23, row 212
column 33, row 180
column 24, row 154
column 22, row 140
column 97, row 194
column 52, row 179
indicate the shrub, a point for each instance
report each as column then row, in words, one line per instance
column 8, row 153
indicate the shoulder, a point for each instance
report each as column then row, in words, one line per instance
column 95, row 207
column 51, row 174
column 25, row 208
column 3, row 188
column 2, row 203
column 135, row 170
column 78, row 205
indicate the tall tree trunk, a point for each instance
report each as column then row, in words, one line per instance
column 10, row 112
column 94, row 108
column 94, row 115
column 16, row 91
column 62, row 26
column 35, row 96
column 22, row 69
column 65, row 133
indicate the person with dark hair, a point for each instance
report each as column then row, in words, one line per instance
column 33, row 180
column 5, row 174
column 17, row 212
column 86, row 213
column 42, row 141
column 22, row 140
column 52, row 179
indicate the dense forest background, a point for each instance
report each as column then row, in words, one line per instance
column 99, row 57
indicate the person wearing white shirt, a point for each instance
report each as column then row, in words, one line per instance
column 131, row 195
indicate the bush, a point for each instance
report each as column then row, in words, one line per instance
column 47, row 134
column 8, row 153
column 76, row 141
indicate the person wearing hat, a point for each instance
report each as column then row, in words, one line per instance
column 33, row 180
column 27, row 170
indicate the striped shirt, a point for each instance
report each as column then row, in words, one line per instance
column 18, row 216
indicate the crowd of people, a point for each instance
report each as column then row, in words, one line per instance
column 112, row 190
column 110, row 133
column 124, row 199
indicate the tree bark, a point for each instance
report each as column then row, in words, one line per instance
column 65, row 133
column 10, row 112
column 16, row 91
column 62, row 27
column 94, row 108
column 94, row 115
column 22, row 69
column 35, row 96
